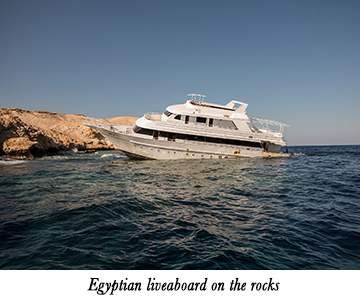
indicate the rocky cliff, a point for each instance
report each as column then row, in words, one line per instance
column 36, row 133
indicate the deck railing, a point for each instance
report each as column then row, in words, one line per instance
column 153, row 116
column 268, row 126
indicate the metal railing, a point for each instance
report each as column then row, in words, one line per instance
column 153, row 116
column 264, row 126
column 104, row 124
column 93, row 121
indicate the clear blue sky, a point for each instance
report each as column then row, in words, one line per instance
column 297, row 62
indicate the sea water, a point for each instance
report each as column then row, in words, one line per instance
column 103, row 211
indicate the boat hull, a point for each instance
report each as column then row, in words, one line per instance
column 138, row 147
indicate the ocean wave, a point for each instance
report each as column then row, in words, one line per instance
column 9, row 162
column 112, row 155
column 69, row 152
column 57, row 157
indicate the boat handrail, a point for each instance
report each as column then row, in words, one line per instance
column 270, row 122
column 153, row 113
column 264, row 125
column 93, row 121
column 153, row 116
column 197, row 97
column 129, row 131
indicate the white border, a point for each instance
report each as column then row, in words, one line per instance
column 75, row 284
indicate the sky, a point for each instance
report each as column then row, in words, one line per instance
column 297, row 62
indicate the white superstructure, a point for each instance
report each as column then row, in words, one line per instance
column 197, row 129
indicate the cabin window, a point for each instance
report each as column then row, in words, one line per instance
column 200, row 138
column 164, row 134
column 190, row 137
column 172, row 136
column 211, row 122
column 178, row 117
column 212, row 140
column 186, row 119
column 140, row 130
column 167, row 113
column 156, row 135
column 201, row 120
column 180, row 136
column 227, row 124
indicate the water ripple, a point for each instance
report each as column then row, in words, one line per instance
column 101, row 211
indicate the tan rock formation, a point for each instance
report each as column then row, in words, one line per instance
column 35, row 133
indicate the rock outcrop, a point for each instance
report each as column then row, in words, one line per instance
column 36, row 133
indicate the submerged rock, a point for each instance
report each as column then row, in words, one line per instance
column 36, row 133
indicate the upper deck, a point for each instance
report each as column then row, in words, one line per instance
column 211, row 105
column 233, row 110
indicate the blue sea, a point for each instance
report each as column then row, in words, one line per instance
column 102, row 211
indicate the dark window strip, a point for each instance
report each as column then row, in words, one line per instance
column 188, row 137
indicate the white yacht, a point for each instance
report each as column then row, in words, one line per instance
column 196, row 130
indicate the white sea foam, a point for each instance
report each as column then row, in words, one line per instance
column 54, row 157
column 10, row 162
column 69, row 152
column 111, row 155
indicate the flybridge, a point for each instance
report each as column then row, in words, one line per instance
column 197, row 99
